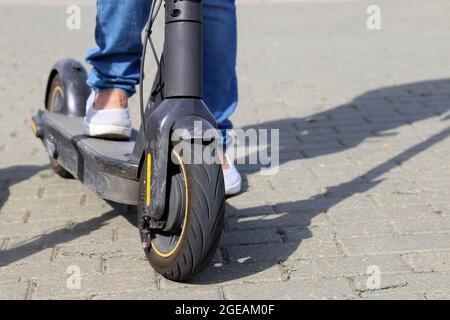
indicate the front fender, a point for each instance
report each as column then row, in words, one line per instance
column 170, row 114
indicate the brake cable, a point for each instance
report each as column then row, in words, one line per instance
column 154, row 10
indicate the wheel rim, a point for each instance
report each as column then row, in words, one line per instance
column 56, row 101
column 164, row 243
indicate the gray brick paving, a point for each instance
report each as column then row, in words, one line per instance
column 364, row 150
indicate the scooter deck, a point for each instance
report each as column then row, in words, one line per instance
column 107, row 167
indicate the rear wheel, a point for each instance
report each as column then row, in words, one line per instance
column 187, row 244
column 56, row 103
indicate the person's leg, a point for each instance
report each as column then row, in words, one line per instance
column 115, row 66
column 117, row 59
column 220, row 91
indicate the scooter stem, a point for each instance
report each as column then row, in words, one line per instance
column 183, row 49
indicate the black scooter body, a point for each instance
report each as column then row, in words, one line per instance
column 180, row 204
column 112, row 168
column 107, row 168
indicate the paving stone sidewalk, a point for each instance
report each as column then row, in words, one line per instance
column 364, row 180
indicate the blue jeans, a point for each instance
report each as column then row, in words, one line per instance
column 116, row 61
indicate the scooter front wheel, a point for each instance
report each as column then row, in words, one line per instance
column 188, row 247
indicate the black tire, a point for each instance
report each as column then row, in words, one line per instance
column 56, row 103
column 202, row 223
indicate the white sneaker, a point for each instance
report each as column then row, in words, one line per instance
column 110, row 123
column 232, row 178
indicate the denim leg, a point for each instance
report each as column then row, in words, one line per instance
column 220, row 90
column 117, row 59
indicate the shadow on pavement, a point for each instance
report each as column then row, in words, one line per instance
column 345, row 190
column 374, row 114
column 14, row 175
column 64, row 235
column 377, row 112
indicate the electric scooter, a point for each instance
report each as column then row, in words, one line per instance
column 180, row 198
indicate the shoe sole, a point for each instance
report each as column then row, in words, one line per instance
column 107, row 131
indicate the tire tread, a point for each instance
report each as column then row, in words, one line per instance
column 206, row 207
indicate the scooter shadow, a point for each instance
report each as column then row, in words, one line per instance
column 14, row 175
column 410, row 103
column 380, row 112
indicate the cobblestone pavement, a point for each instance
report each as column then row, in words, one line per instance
column 364, row 181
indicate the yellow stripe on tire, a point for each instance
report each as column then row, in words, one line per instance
column 148, row 181
column 183, row 230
